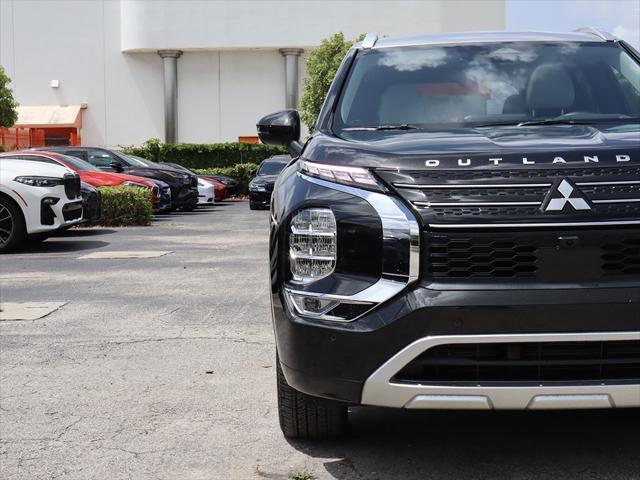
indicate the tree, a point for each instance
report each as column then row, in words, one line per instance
column 322, row 65
column 8, row 112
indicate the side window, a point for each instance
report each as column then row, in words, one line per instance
column 629, row 88
column 100, row 158
column 76, row 153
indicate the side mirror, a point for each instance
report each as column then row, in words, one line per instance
column 282, row 129
column 117, row 166
column 253, row 172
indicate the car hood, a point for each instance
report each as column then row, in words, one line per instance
column 265, row 180
column 488, row 147
column 104, row 179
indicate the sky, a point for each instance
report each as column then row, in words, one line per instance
column 619, row 17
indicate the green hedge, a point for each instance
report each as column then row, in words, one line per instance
column 204, row 155
column 126, row 206
column 243, row 173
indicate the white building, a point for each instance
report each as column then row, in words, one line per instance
column 118, row 60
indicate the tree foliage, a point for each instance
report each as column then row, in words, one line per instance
column 322, row 65
column 8, row 112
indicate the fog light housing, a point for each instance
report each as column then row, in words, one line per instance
column 312, row 244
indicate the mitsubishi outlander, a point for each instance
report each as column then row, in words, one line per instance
column 461, row 231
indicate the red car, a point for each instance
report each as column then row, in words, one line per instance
column 221, row 188
column 88, row 173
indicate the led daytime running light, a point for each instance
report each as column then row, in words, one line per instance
column 355, row 176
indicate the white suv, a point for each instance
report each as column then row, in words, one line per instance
column 36, row 201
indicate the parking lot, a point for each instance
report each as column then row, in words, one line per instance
column 163, row 368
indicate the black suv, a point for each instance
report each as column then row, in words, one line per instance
column 261, row 186
column 462, row 230
column 184, row 186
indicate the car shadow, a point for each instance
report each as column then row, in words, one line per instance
column 59, row 245
column 83, row 232
column 400, row 444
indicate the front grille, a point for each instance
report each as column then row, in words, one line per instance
column 539, row 256
column 485, row 257
column 72, row 211
column 621, row 256
column 517, row 196
column 72, row 186
column 539, row 362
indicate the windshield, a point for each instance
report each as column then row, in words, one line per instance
column 78, row 164
column 141, row 162
column 271, row 168
column 471, row 85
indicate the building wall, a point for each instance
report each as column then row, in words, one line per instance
column 104, row 53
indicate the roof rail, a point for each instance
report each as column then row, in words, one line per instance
column 606, row 36
column 369, row 40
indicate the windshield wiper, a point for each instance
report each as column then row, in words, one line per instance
column 553, row 121
column 402, row 126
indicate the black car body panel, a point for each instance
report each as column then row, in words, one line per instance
column 91, row 203
column 516, row 229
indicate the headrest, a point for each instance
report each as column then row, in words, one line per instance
column 550, row 87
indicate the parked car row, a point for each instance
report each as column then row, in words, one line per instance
column 46, row 190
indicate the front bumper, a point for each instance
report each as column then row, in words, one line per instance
column 186, row 196
column 260, row 199
column 354, row 362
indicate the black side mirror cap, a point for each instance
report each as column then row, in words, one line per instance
column 117, row 166
column 281, row 129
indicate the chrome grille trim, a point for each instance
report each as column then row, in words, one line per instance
column 474, row 185
column 476, row 204
column 534, row 225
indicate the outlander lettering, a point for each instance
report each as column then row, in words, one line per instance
column 551, row 159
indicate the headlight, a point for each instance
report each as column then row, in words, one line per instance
column 354, row 176
column 40, row 181
column 134, row 184
column 257, row 188
column 312, row 244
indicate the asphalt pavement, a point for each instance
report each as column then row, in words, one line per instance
column 163, row 368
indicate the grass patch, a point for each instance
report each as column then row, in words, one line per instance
column 301, row 474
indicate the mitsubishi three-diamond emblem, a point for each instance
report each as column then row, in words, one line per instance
column 563, row 194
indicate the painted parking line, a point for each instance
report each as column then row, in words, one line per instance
column 27, row 310
column 126, row 254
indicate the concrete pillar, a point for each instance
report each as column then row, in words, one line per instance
column 291, row 56
column 170, row 67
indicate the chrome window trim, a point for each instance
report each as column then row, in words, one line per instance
column 379, row 390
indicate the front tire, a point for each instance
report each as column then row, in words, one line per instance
column 305, row 417
column 252, row 205
column 12, row 229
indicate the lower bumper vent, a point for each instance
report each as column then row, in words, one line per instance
column 539, row 362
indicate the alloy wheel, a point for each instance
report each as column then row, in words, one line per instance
column 6, row 225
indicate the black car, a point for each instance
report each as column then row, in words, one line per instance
column 261, row 186
column 462, row 231
column 184, row 186
column 91, row 203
